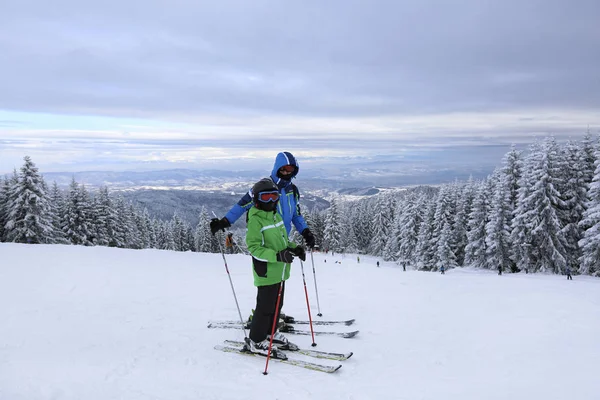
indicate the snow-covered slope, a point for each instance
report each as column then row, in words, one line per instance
column 96, row 323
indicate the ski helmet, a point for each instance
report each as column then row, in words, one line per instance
column 265, row 195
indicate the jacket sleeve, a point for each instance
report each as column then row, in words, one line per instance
column 254, row 241
column 297, row 218
column 239, row 208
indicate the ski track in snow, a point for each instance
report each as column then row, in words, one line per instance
column 98, row 323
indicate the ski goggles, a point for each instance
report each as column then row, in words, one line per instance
column 267, row 197
column 288, row 168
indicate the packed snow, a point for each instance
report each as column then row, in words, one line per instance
column 100, row 323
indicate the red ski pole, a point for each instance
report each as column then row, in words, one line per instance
column 275, row 318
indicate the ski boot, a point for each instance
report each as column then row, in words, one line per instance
column 262, row 348
column 282, row 342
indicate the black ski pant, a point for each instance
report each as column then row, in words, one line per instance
column 264, row 312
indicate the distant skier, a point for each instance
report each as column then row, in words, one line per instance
column 404, row 267
column 358, row 259
column 377, row 264
column 499, row 269
column 568, row 272
column 272, row 255
column 443, row 270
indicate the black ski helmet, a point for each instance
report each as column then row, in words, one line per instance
column 264, row 185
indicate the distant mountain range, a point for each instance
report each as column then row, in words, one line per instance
column 164, row 192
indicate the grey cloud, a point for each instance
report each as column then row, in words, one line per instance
column 339, row 58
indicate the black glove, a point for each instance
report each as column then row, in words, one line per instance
column 308, row 238
column 299, row 252
column 217, row 224
column 285, row 256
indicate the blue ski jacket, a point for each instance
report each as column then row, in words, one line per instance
column 289, row 201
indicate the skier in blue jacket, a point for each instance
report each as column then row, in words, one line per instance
column 285, row 169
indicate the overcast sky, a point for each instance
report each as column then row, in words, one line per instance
column 116, row 83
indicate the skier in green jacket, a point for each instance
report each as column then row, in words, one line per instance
column 272, row 255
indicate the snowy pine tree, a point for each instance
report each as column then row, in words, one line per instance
column 464, row 203
column 536, row 225
column 590, row 243
column 573, row 189
column 589, row 157
column 29, row 212
column 475, row 251
column 77, row 222
column 363, row 229
column 497, row 240
column 203, row 234
column 443, row 221
column 4, row 193
column 57, row 211
column 381, row 224
column 11, row 198
column 105, row 219
column 425, row 250
column 333, row 229
column 409, row 222
column 444, row 255
column 348, row 240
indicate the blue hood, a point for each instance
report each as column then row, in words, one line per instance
column 284, row 158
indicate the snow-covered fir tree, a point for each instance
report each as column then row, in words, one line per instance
column 475, row 251
column 11, row 198
column 464, row 203
column 590, row 243
column 363, row 229
column 408, row 224
column 203, row 235
column 316, row 223
column 57, row 213
column 348, row 239
column 588, row 150
column 333, row 229
column 443, row 221
column 106, row 219
column 390, row 253
column 573, row 190
column 77, row 224
column 4, row 192
column 29, row 218
column 444, row 254
column 425, row 250
column 538, row 225
column 381, row 223
column 497, row 240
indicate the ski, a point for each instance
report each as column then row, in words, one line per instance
column 289, row 330
column 296, row 363
column 292, row 321
column 307, row 352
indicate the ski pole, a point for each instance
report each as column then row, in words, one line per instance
column 231, row 283
column 312, row 332
column 315, row 278
column 275, row 318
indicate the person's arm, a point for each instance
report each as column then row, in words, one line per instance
column 239, row 208
column 297, row 218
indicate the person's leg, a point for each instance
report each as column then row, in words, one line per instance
column 262, row 320
column 280, row 307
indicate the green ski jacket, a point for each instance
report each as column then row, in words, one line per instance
column 266, row 236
